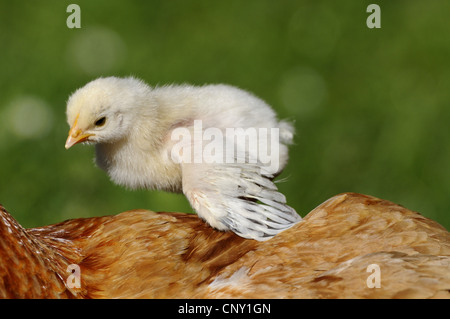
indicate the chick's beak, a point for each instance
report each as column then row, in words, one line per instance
column 76, row 136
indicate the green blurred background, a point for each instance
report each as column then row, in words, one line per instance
column 371, row 106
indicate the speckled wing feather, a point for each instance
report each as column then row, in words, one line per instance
column 238, row 197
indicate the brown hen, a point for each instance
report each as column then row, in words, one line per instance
column 142, row 254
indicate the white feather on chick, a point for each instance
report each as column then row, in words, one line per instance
column 131, row 125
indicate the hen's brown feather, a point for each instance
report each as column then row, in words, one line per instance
column 140, row 254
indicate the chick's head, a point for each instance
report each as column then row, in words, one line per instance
column 104, row 110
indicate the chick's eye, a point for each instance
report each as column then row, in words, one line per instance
column 100, row 122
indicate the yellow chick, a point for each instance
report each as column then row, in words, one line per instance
column 219, row 145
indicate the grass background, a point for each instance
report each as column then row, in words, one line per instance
column 371, row 106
